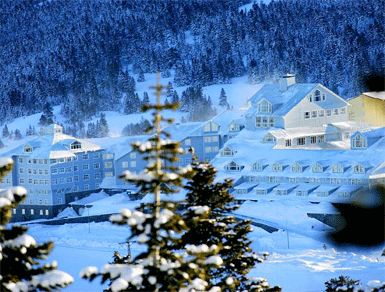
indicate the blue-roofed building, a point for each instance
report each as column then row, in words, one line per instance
column 291, row 105
column 52, row 166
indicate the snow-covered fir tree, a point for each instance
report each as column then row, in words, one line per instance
column 163, row 265
column 223, row 99
column 20, row 254
column 5, row 131
column 221, row 228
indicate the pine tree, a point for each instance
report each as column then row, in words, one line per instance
column 19, row 252
column 48, row 112
column 5, row 131
column 223, row 99
column 102, row 130
column 222, row 229
column 146, row 99
column 163, row 265
column 141, row 77
column 18, row 135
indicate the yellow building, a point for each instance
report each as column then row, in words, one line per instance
column 369, row 108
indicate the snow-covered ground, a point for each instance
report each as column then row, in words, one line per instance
column 301, row 259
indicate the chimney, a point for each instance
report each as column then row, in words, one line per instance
column 285, row 81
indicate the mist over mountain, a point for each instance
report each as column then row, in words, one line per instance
column 88, row 55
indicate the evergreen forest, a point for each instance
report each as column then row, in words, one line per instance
column 88, row 55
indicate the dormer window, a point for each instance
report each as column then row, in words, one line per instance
column 227, row 151
column 28, row 148
column 296, row 167
column 316, row 168
column 358, row 168
column 211, row 127
column 269, row 138
column 234, row 127
column 317, row 95
column 232, row 166
column 359, row 141
column 264, row 106
column 337, row 168
column 76, row 145
column 276, row 167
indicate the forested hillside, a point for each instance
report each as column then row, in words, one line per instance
column 77, row 52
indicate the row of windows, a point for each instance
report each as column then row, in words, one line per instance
column 33, row 161
column 40, row 201
column 295, row 167
column 34, row 171
column 211, row 149
column 34, row 181
column 311, row 180
column 32, row 211
column 208, row 139
column 303, row 140
column 264, row 122
column 321, row 113
column 69, row 179
column 39, row 192
column 125, row 164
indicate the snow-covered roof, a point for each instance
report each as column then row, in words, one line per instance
column 376, row 94
column 245, row 185
column 307, row 187
column 297, row 132
column 285, row 187
column 53, row 145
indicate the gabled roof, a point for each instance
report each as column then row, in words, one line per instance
column 53, row 145
column 289, row 98
column 376, row 94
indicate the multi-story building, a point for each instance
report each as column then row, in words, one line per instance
column 298, row 141
column 369, row 108
column 206, row 138
column 52, row 166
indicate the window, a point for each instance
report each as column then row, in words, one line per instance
column 109, row 156
column 358, row 168
column 313, row 139
column 187, row 142
column 317, row 95
column 61, row 180
column 62, row 170
column 97, row 165
column 32, row 212
column 207, row 139
column 311, row 98
column 321, row 113
column 276, row 167
column 86, row 166
column 86, row 187
column 97, row 175
column 335, row 111
column 359, row 141
column 321, row 139
column 271, row 122
column 46, row 212
column 207, row 149
column 264, row 122
column 41, row 212
column 96, row 155
column 107, row 164
column 132, row 155
column 133, row 163
column 21, row 180
column 40, row 171
column 27, row 149
column 76, row 178
column 21, row 170
column 288, row 143
column 85, row 156
column 232, row 166
column 214, row 138
column 76, row 168
column 13, row 210
column 337, row 168
column 60, row 201
column 30, row 181
column 46, row 171
column 76, row 145
column 258, row 122
column 314, row 114
column 41, row 181
column 264, row 106
column 307, row 115
column 29, row 170
column 75, row 189
column 323, row 96
column 125, row 164
column 109, row 174
column 23, row 211
column 20, row 160
column 69, row 179
column 54, row 181
column 301, row 141
column 269, row 138
column 329, row 112
column 257, row 167
column 86, row 177
column 227, row 152
column 69, row 169
column 46, row 181
column 214, row 149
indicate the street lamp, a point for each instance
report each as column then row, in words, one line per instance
column 88, row 217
